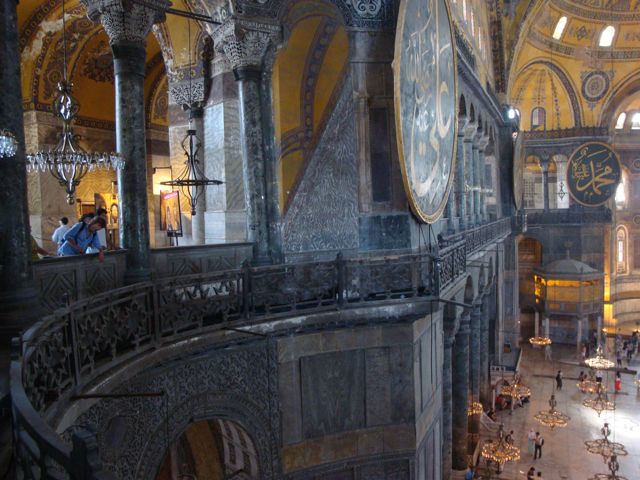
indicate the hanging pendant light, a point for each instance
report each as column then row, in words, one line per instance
column 589, row 384
column 540, row 341
column 68, row 162
column 8, row 144
column 192, row 181
column 600, row 403
column 500, row 452
column 474, row 409
column 552, row 418
column 605, row 447
column 599, row 362
column 614, row 466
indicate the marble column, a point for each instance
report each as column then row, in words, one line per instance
column 582, row 323
column 196, row 115
column 127, row 26
column 469, row 134
column 483, row 142
column 536, row 324
column 245, row 44
column 476, row 181
column 447, row 412
column 461, row 194
column 460, row 394
column 19, row 304
column 544, row 165
column 474, row 363
column 485, row 379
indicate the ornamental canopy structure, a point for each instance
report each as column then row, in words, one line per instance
column 569, row 287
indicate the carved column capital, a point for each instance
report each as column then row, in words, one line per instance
column 470, row 130
column 126, row 22
column 183, row 92
column 482, row 142
column 244, row 42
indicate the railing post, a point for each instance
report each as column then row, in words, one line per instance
column 156, row 312
column 246, row 289
column 341, row 280
column 74, row 345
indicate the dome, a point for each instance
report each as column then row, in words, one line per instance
column 568, row 268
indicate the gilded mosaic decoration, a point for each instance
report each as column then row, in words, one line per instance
column 425, row 104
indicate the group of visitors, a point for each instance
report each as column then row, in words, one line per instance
column 86, row 236
column 535, row 443
column 531, row 474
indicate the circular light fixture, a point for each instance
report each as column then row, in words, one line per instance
column 500, row 452
column 599, row 362
column 540, row 341
column 614, row 466
column 600, row 403
column 552, row 418
column 588, row 385
column 516, row 391
column 474, row 409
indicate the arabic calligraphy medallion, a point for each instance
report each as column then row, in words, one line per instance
column 593, row 173
column 425, row 104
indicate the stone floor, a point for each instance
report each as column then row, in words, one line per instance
column 564, row 455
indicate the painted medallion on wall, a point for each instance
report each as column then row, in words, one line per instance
column 593, row 174
column 518, row 172
column 425, row 104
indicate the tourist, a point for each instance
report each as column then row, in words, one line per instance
column 583, row 351
column 539, row 442
column 509, row 438
column 58, row 234
column 531, row 473
column 470, row 473
column 618, row 383
column 492, row 414
column 559, row 380
column 599, row 376
column 547, row 353
column 531, row 437
column 81, row 236
column 102, row 234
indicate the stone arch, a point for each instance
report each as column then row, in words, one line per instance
column 624, row 93
column 462, row 107
column 232, row 408
column 472, row 113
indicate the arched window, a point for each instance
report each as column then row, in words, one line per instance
column 621, row 250
column 557, row 33
column 621, row 196
column 620, row 122
column 606, row 37
column 538, row 119
column 635, row 121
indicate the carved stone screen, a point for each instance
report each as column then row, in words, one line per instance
column 425, row 104
column 593, row 173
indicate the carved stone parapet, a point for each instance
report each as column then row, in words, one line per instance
column 245, row 42
column 126, row 22
column 470, row 130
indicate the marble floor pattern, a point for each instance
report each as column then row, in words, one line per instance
column 564, row 455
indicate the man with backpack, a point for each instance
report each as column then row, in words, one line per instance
column 539, row 442
column 82, row 236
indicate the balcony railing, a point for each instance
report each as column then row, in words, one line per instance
column 569, row 216
column 60, row 355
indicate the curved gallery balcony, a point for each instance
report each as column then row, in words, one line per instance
column 68, row 351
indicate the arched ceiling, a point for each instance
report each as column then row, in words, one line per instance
column 589, row 76
column 90, row 64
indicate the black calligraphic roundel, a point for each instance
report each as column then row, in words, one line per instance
column 425, row 104
column 593, row 173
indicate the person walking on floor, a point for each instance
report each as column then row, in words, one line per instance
column 539, row 442
column 618, row 383
column 547, row 353
column 531, row 473
column 531, row 437
column 559, row 380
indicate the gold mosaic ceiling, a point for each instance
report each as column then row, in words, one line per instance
column 578, row 82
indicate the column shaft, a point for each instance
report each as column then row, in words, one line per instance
column 485, row 382
column 483, row 184
column 474, row 365
column 545, row 184
column 476, row 184
column 197, row 220
column 18, row 296
column 468, row 157
column 460, row 391
column 447, row 412
column 253, row 168
column 129, row 67
column 461, row 200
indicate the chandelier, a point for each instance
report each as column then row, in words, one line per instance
column 552, row 418
column 68, row 162
column 516, row 390
column 605, row 447
column 8, row 144
column 588, row 385
column 540, row 341
column 500, row 452
column 599, row 362
column 192, row 181
column 600, row 403
column 474, row 409
column 614, row 466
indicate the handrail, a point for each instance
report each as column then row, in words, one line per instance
column 60, row 355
